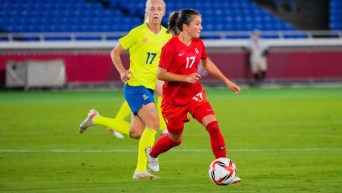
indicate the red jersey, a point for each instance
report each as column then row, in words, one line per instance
column 178, row 58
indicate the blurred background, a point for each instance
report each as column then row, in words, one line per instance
column 66, row 44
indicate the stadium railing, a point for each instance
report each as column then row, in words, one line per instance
column 212, row 39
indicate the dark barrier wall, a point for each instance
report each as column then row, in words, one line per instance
column 97, row 67
column 305, row 64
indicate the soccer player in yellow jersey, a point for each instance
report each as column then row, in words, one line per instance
column 144, row 44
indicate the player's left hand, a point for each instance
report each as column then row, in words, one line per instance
column 233, row 87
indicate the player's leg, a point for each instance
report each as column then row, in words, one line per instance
column 202, row 111
column 94, row 118
column 118, row 125
column 159, row 90
column 176, row 116
column 204, row 114
column 149, row 116
column 141, row 102
column 162, row 128
column 165, row 143
column 254, row 70
column 137, row 128
column 123, row 112
column 216, row 138
column 263, row 68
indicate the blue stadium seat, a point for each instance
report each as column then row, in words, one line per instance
column 94, row 16
column 335, row 15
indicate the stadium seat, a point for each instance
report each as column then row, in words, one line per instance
column 115, row 15
column 335, row 15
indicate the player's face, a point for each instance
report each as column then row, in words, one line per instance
column 195, row 27
column 155, row 11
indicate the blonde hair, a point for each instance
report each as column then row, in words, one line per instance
column 148, row 3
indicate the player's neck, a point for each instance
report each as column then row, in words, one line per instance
column 155, row 28
column 185, row 38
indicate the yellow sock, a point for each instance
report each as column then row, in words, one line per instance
column 118, row 125
column 123, row 112
column 146, row 140
column 161, row 119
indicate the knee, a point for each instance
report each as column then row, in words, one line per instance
column 213, row 127
column 156, row 125
column 135, row 133
column 176, row 142
column 153, row 124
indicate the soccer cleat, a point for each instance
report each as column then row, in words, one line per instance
column 163, row 132
column 117, row 134
column 89, row 121
column 152, row 162
column 236, row 180
column 144, row 175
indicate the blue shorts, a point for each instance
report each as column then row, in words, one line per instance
column 137, row 96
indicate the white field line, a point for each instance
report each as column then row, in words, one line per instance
column 179, row 150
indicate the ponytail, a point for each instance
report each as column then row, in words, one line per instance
column 177, row 19
column 172, row 23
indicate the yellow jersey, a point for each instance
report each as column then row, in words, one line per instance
column 144, row 54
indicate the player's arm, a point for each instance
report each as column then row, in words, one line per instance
column 212, row 69
column 116, row 59
column 164, row 75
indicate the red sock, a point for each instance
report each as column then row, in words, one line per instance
column 216, row 140
column 163, row 144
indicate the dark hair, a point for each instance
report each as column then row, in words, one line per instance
column 172, row 23
column 177, row 19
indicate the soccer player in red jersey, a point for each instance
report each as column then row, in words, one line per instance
column 182, row 91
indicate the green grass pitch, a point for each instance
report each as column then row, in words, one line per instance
column 282, row 140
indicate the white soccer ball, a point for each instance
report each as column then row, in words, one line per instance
column 222, row 171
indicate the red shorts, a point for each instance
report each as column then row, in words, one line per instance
column 176, row 115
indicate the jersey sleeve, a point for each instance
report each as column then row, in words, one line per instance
column 204, row 55
column 128, row 40
column 166, row 56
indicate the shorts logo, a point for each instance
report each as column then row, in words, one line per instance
column 145, row 97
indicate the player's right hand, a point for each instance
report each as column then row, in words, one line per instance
column 126, row 75
column 192, row 78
